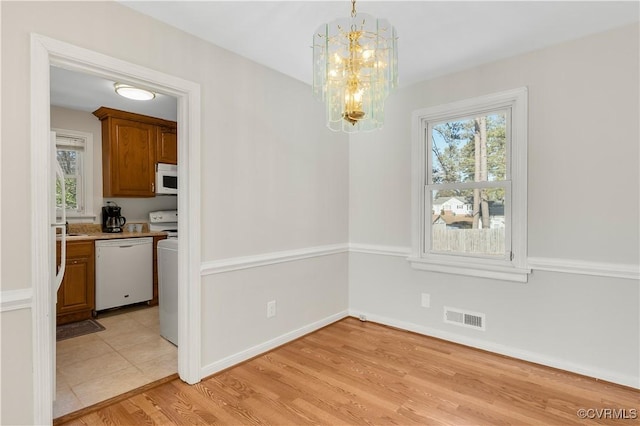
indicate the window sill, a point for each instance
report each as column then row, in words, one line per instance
column 505, row 273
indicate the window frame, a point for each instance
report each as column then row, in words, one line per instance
column 513, row 266
column 87, row 211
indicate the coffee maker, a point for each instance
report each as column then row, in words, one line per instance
column 111, row 219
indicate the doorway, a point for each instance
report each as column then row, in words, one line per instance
column 46, row 52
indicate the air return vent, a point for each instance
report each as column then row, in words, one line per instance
column 464, row 318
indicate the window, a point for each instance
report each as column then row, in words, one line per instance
column 469, row 187
column 74, row 154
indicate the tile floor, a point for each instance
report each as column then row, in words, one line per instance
column 128, row 354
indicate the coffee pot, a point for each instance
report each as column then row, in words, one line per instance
column 112, row 221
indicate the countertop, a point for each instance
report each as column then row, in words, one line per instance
column 113, row 235
column 90, row 231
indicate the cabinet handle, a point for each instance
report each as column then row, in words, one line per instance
column 153, row 187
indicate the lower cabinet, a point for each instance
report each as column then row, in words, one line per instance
column 76, row 295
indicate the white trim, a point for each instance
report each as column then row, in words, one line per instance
column 246, row 354
column 12, row 300
column 245, row 262
column 46, row 51
column 584, row 267
column 41, row 257
column 381, row 250
column 189, row 254
column 568, row 266
column 471, row 269
column 522, row 354
column 515, row 269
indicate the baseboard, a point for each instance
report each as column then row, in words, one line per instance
column 11, row 300
column 524, row 355
column 254, row 351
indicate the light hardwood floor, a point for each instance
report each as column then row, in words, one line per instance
column 354, row 372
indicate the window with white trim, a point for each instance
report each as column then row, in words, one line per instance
column 74, row 154
column 469, row 189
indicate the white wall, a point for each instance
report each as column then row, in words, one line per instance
column 583, row 149
column 134, row 209
column 273, row 179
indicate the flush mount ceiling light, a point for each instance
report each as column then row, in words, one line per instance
column 131, row 92
column 355, row 67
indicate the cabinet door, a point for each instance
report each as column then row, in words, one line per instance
column 76, row 295
column 167, row 146
column 129, row 163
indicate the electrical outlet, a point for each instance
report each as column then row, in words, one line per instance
column 425, row 302
column 271, row 309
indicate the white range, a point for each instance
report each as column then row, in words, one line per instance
column 167, row 220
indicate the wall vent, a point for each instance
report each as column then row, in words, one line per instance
column 464, row 318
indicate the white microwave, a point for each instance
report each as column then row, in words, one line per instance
column 166, row 179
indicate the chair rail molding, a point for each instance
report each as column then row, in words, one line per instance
column 551, row 264
column 12, row 300
column 585, row 267
column 271, row 258
column 382, row 250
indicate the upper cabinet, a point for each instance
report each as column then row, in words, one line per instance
column 132, row 144
column 167, row 146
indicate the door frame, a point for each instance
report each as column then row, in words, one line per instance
column 45, row 52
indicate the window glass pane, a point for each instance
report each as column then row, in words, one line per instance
column 68, row 160
column 470, row 149
column 71, row 193
column 71, row 187
column 470, row 221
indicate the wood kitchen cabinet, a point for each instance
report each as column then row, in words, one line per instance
column 132, row 144
column 167, row 146
column 76, row 295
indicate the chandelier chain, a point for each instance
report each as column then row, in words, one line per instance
column 353, row 8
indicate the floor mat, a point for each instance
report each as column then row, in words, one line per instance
column 75, row 329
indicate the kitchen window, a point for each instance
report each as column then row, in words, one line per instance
column 471, row 153
column 75, row 156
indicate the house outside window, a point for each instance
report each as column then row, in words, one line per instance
column 469, row 187
column 74, row 155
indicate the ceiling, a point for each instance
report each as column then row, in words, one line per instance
column 434, row 37
column 86, row 92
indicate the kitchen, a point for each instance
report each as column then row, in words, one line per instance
column 114, row 214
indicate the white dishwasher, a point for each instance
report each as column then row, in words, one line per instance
column 124, row 272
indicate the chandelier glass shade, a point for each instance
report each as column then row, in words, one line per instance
column 355, row 67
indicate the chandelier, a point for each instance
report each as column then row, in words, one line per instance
column 355, row 67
